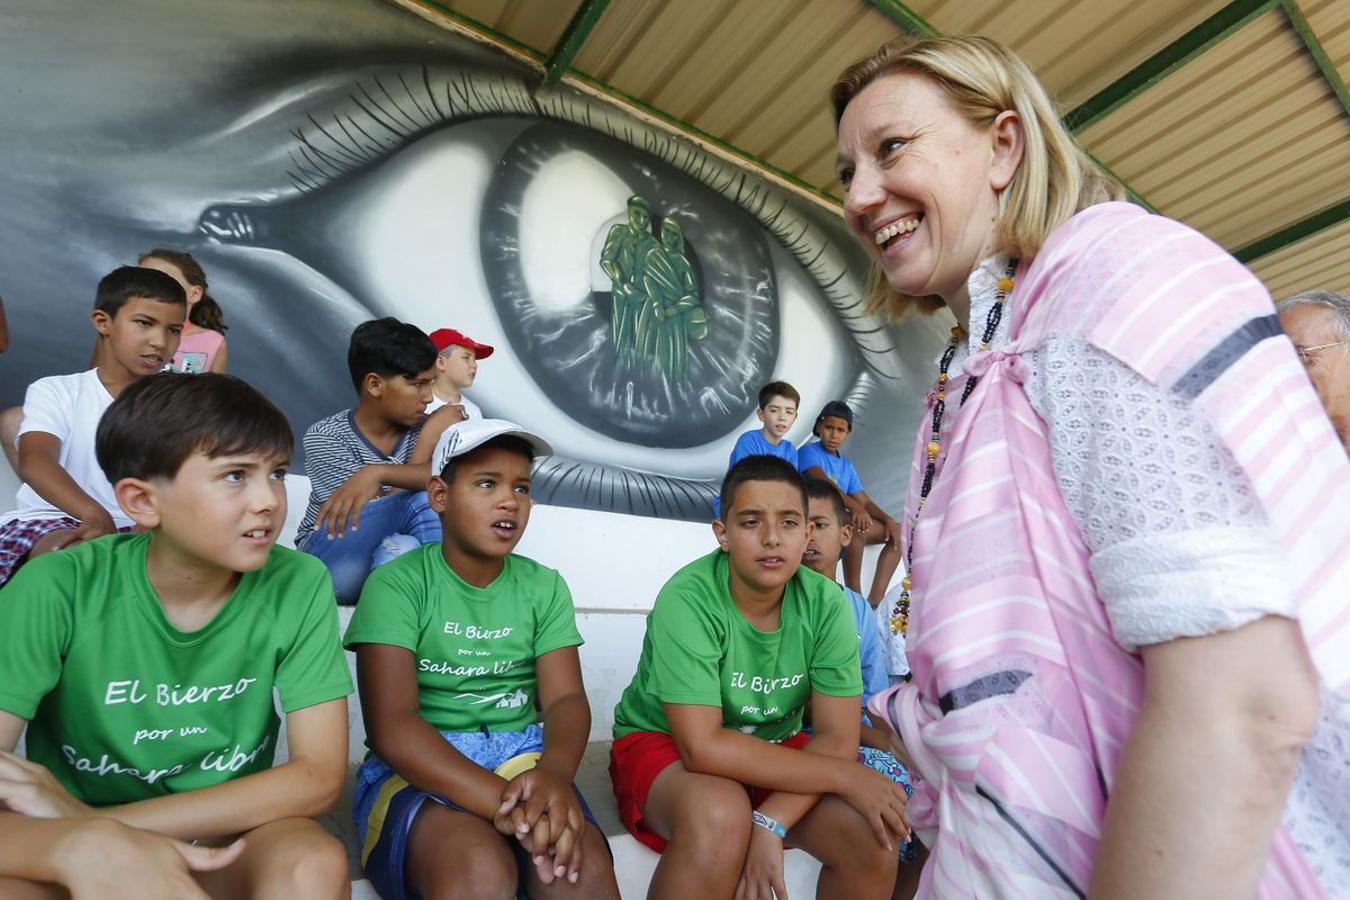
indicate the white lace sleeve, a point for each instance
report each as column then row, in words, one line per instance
column 1180, row 546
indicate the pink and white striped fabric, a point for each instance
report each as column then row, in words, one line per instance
column 1022, row 699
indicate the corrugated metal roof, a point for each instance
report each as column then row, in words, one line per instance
column 1231, row 117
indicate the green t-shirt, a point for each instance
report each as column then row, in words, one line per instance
column 122, row 706
column 699, row 650
column 474, row 647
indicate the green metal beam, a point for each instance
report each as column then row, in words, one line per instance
column 569, row 45
column 905, row 17
column 1316, row 51
column 1332, row 215
column 1166, row 61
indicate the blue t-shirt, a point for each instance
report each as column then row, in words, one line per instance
column 839, row 468
column 754, row 443
column 870, row 651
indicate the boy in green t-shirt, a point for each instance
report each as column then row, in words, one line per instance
column 144, row 664
column 464, row 650
column 706, row 763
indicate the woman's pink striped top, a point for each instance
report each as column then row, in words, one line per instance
column 1022, row 699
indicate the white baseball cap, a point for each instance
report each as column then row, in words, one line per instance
column 460, row 438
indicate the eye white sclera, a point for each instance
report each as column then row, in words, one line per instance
column 569, row 206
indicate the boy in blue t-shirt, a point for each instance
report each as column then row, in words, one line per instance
column 778, row 402
column 472, row 694
column 822, row 459
column 830, row 534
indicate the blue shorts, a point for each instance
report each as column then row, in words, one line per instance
column 385, row 805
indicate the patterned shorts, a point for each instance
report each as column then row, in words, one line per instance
column 385, row 804
column 19, row 536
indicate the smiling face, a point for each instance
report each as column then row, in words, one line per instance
column 777, row 414
column 142, row 336
column 764, row 532
column 222, row 513
column 922, row 183
column 485, row 506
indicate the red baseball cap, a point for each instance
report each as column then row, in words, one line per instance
column 449, row 337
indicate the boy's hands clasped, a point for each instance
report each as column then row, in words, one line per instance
column 540, row 809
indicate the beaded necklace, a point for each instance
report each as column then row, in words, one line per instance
column 900, row 615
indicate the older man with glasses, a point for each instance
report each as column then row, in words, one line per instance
column 1318, row 322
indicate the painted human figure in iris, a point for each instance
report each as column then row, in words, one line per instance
column 672, row 314
column 626, row 247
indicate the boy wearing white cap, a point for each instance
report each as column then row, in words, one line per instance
column 472, row 694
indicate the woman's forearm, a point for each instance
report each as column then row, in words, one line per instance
column 1204, row 775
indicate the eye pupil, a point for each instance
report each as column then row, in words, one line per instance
column 681, row 325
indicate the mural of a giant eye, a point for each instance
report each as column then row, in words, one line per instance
column 638, row 291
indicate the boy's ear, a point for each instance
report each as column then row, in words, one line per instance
column 139, row 500
column 845, row 534
column 720, row 532
column 759, row 413
column 373, row 385
column 438, row 495
column 441, row 362
column 102, row 322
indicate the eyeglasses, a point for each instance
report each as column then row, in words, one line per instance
column 1305, row 353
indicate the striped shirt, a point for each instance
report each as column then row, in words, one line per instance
column 335, row 450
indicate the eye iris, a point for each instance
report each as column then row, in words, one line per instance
column 679, row 330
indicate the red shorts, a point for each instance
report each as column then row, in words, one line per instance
column 635, row 761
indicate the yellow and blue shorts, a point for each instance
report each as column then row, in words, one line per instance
column 385, row 805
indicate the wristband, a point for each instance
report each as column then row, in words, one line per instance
column 768, row 823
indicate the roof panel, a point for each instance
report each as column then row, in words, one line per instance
column 610, row 42
column 1243, row 141
column 673, row 38
column 764, row 76
column 1330, row 21
column 539, row 25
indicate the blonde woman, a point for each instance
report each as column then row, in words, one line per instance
column 1125, row 529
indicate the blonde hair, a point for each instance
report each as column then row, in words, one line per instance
column 981, row 78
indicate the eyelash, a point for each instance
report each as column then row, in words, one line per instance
column 381, row 117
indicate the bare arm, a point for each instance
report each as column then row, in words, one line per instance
column 308, row 784
column 398, row 734
column 870, row 505
column 1206, row 770
column 221, row 359
column 566, row 714
column 834, row 722
column 40, row 468
column 98, row 858
column 707, row 748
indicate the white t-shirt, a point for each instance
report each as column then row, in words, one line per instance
column 470, row 408
column 69, row 407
